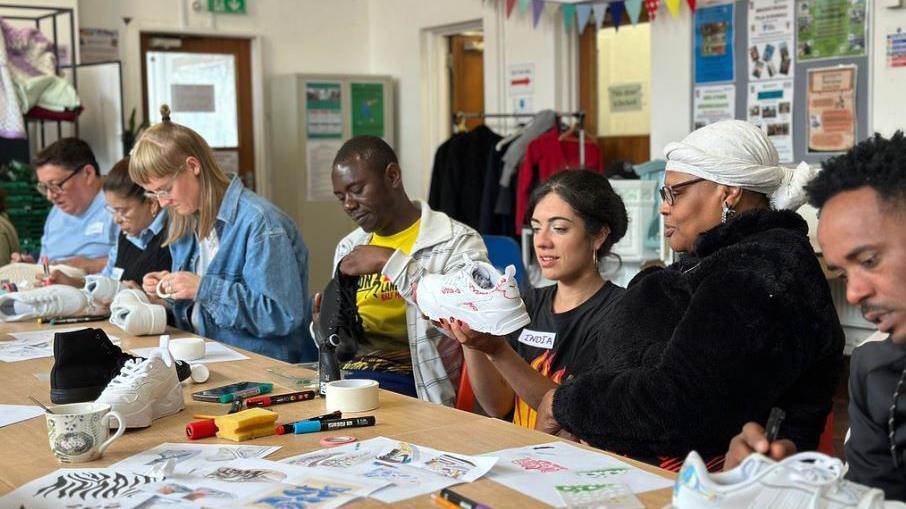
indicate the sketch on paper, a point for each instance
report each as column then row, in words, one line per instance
column 177, row 455
column 393, row 474
column 239, row 453
column 403, row 454
column 449, row 466
column 230, row 474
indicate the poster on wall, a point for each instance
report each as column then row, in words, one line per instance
column 324, row 114
column 770, row 106
column 713, row 103
column 319, row 156
column 367, row 109
column 714, row 44
column 625, row 97
column 831, row 103
column 896, row 47
column 98, row 45
column 830, row 28
column 770, row 39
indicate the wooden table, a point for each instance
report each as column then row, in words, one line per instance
column 26, row 454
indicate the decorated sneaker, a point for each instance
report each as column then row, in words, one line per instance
column 804, row 480
column 101, row 289
column 145, row 389
column 476, row 294
column 45, row 302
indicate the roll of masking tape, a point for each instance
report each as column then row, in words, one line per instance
column 160, row 290
column 352, row 395
column 200, row 373
column 187, row 349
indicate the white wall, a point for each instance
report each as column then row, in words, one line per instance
column 671, row 79
column 888, row 104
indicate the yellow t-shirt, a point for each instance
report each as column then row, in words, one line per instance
column 382, row 309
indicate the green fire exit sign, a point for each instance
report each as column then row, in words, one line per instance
column 227, row 6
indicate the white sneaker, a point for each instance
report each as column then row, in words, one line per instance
column 140, row 319
column 476, row 294
column 44, row 302
column 804, row 480
column 128, row 296
column 145, row 389
column 101, row 289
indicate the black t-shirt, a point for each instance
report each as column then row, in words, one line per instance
column 560, row 345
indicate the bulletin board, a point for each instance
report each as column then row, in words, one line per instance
column 800, row 83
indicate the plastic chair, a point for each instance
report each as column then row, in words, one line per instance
column 503, row 251
column 826, row 441
column 465, row 399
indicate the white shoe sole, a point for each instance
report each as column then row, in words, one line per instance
column 142, row 418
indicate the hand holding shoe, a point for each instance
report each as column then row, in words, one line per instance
column 484, row 343
column 364, row 260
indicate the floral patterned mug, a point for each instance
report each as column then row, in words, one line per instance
column 81, row 431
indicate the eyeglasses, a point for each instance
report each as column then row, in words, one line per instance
column 55, row 188
column 165, row 194
column 668, row 193
column 121, row 213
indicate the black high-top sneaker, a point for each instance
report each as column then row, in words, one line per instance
column 340, row 315
column 84, row 363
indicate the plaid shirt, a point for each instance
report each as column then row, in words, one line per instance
column 436, row 359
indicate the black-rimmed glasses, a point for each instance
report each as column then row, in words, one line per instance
column 55, row 188
column 668, row 193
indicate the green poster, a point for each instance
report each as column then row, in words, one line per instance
column 324, row 114
column 830, row 28
column 368, row 109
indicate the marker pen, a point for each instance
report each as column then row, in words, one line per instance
column 254, row 391
column 279, row 399
column 316, row 426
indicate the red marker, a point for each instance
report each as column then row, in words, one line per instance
column 262, row 401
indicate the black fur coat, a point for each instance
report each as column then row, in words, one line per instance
column 712, row 342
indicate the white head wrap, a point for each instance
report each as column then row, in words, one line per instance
column 739, row 154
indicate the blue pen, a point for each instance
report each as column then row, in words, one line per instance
column 316, row 426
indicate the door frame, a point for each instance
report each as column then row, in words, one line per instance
column 131, row 41
column 435, row 85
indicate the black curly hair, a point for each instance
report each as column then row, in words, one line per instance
column 592, row 198
column 878, row 163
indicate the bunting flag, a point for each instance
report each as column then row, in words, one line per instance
column 634, row 9
column 583, row 12
column 524, row 5
column 600, row 10
column 537, row 9
column 673, row 7
column 616, row 13
column 651, row 6
column 691, row 5
column 569, row 12
column 509, row 7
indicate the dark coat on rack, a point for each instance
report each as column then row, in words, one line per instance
column 457, row 179
column 710, row 343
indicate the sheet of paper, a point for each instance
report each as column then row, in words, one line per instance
column 213, row 352
column 262, row 483
column 11, row 414
column 831, row 104
column 34, row 344
column 714, row 44
column 188, row 457
column 770, row 106
column 712, row 104
column 537, row 470
column 770, row 39
column 78, row 488
column 414, row 470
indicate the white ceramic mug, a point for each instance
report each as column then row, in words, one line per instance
column 81, row 431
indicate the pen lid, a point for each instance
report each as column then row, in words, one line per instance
column 306, row 426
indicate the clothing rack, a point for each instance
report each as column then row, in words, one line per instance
column 460, row 116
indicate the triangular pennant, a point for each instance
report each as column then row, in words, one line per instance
column 616, row 13
column 634, row 8
column 583, row 12
column 673, row 7
column 537, row 9
column 509, row 7
column 569, row 12
column 651, row 6
column 599, row 9
column 691, row 5
column 524, row 5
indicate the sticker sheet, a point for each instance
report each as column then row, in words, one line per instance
column 188, row 457
column 78, row 488
column 537, row 471
column 414, row 470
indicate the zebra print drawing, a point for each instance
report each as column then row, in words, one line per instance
column 94, row 485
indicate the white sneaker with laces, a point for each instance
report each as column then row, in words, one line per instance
column 804, row 480
column 101, row 289
column 128, row 296
column 140, row 319
column 45, row 302
column 476, row 294
column 145, row 389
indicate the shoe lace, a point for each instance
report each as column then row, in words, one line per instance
column 823, row 473
column 130, row 371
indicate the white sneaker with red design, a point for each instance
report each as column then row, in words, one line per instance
column 478, row 295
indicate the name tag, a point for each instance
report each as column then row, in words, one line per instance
column 117, row 273
column 95, row 228
column 537, row 339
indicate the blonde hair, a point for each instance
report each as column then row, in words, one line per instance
column 161, row 152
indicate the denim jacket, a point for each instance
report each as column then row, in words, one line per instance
column 254, row 294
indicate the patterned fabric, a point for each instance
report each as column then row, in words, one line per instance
column 441, row 242
column 651, row 6
column 12, row 125
column 673, row 464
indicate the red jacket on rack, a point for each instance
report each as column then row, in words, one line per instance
column 546, row 156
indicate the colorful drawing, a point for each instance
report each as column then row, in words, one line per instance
column 403, row 453
column 344, row 460
column 543, row 466
column 187, row 493
column 306, row 496
column 394, row 475
column 602, row 473
column 229, row 474
column 449, row 466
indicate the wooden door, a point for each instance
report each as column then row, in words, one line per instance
column 208, row 83
column 467, row 75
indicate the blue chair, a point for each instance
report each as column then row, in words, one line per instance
column 503, row 251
